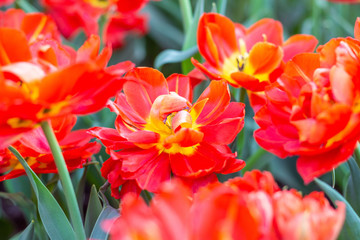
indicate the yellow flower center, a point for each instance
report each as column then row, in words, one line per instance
column 171, row 118
column 237, row 62
column 99, row 3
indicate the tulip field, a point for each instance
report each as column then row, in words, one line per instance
column 179, row 119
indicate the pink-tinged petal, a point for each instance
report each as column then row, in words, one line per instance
column 130, row 187
column 341, row 77
column 240, row 31
column 142, row 137
column 196, row 183
column 257, row 100
column 121, row 68
column 205, row 159
column 298, row 43
column 233, row 110
column 196, row 76
column 147, row 85
column 35, row 140
column 180, row 84
column 218, row 98
column 119, row 26
column 216, row 38
column 312, row 166
column 223, row 132
column 172, row 208
column 128, row 114
column 164, row 105
column 110, row 138
column 266, row 29
column 154, row 172
column 134, row 159
column 89, row 50
column 76, row 137
column 272, row 141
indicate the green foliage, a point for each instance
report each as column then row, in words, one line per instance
column 351, row 228
column 54, row 220
column 93, row 211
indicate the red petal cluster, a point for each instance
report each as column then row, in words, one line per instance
column 33, row 145
column 123, row 18
column 252, row 207
column 313, row 109
column 160, row 132
column 42, row 79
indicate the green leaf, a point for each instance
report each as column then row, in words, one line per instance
column 93, row 211
column 19, row 184
column 351, row 228
column 106, row 214
column 28, row 233
column 353, row 190
column 222, row 6
column 161, row 29
column 173, row 56
column 55, row 222
column 78, row 179
column 20, row 200
column 190, row 36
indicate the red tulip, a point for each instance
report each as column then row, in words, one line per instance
column 312, row 110
column 160, row 132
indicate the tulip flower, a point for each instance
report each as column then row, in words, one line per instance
column 160, row 132
column 245, row 57
column 40, row 79
column 312, row 110
column 228, row 211
column 251, row 57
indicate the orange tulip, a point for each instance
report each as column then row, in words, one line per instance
column 246, row 57
column 160, row 132
column 312, row 110
column 228, row 211
column 40, row 79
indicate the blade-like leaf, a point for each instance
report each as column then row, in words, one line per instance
column 191, row 34
column 55, row 222
column 28, row 233
column 191, row 37
column 353, row 190
column 173, row 56
column 107, row 213
column 351, row 228
column 93, row 211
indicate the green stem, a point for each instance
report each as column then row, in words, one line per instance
column 222, row 6
column 242, row 94
column 357, row 155
column 26, row 6
column 251, row 162
column 186, row 11
column 65, row 181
